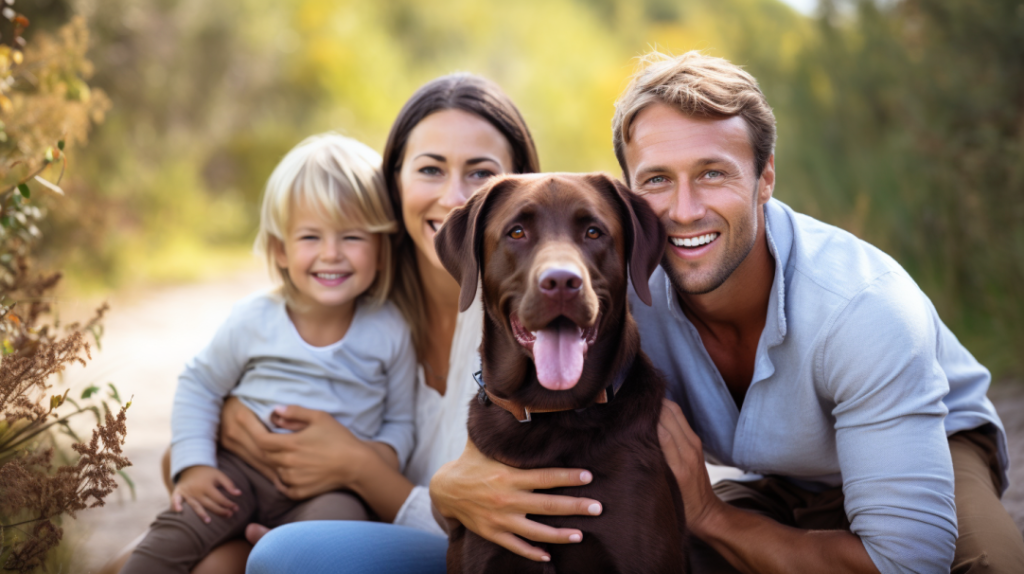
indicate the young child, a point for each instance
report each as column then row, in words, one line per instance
column 326, row 340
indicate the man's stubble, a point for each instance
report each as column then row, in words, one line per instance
column 745, row 236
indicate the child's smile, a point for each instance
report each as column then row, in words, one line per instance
column 331, row 279
column 330, row 266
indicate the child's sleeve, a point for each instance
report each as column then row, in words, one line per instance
column 398, row 429
column 202, row 386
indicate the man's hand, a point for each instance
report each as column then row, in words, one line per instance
column 685, row 456
column 493, row 499
column 197, row 487
column 752, row 543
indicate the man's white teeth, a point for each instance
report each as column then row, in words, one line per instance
column 693, row 241
column 329, row 276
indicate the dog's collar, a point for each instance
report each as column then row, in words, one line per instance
column 522, row 412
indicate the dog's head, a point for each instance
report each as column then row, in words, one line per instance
column 555, row 252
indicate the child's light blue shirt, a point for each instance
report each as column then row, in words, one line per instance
column 857, row 382
column 366, row 380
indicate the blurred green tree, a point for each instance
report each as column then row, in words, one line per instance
column 899, row 120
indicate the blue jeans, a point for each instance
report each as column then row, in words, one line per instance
column 348, row 547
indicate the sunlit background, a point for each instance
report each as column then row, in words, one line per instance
column 901, row 121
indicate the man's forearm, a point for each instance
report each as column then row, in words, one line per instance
column 755, row 544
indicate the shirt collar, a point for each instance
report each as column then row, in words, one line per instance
column 779, row 233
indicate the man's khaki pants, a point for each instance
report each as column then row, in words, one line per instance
column 988, row 540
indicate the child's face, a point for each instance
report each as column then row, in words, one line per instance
column 329, row 266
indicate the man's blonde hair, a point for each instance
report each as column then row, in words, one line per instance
column 697, row 85
column 340, row 179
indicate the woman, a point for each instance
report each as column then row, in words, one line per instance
column 452, row 136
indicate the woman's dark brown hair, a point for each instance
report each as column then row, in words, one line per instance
column 469, row 93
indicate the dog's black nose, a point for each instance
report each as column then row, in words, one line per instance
column 560, row 282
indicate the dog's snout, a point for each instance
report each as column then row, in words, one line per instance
column 561, row 282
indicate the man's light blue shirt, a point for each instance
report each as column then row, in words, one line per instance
column 857, row 382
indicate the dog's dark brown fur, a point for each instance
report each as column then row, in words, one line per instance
column 642, row 527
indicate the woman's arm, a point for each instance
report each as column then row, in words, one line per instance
column 493, row 499
column 322, row 457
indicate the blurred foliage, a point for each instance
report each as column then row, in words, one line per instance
column 45, row 106
column 900, row 120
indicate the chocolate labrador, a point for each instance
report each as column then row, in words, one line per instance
column 564, row 382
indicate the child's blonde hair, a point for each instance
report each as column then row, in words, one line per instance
column 340, row 178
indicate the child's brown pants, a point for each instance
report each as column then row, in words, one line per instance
column 176, row 542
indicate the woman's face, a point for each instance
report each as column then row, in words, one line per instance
column 449, row 155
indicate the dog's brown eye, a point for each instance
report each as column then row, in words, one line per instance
column 517, row 233
column 593, row 233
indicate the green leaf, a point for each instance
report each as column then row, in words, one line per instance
column 24, row 190
column 97, row 335
column 60, row 145
column 70, row 431
column 90, row 391
column 128, row 481
column 113, row 393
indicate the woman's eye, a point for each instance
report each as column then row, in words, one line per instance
column 517, row 233
column 430, row 170
column 593, row 233
column 482, row 174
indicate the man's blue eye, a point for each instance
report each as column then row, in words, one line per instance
column 657, row 179
column 714, row 174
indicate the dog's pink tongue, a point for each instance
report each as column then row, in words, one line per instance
column 558, row 354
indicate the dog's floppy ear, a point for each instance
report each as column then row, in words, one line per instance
column 460, row 240
column 645, row 236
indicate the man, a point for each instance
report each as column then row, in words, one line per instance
column 793, row 350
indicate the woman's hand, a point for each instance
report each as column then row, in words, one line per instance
column 493, row 499
column 319, row 456
column 239, row 428
column 322, row 457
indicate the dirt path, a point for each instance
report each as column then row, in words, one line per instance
column 149, row 337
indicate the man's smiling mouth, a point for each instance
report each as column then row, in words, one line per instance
column 692, row 242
